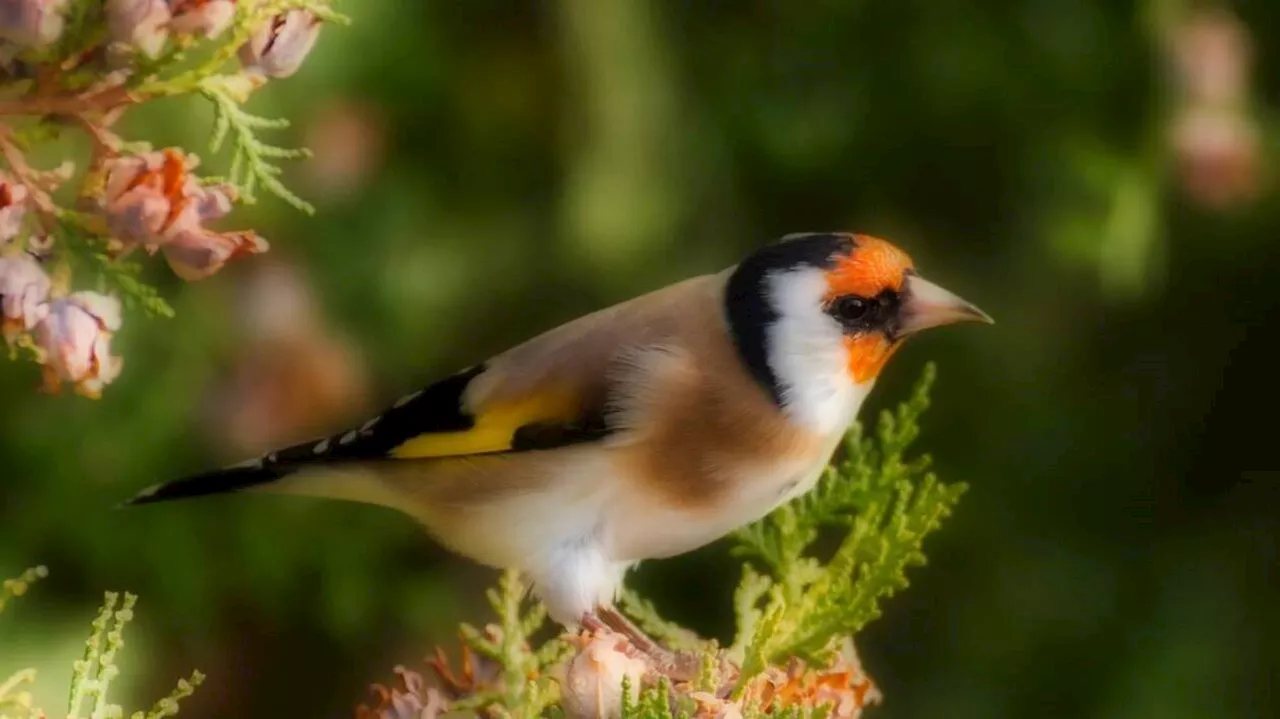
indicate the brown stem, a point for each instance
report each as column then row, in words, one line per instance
column 101, row 100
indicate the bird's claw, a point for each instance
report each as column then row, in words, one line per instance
column 679, row 666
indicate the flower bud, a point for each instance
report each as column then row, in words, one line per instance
column 202, row 17
column 31, row 23
column 152, row 198
column 141, row 24
column 24, row 286
column 278, row 48
column 75, row 341
column 592, row 684
column 196, row 253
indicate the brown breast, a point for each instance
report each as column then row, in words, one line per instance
column 709, row 424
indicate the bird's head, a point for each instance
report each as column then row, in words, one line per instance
column 818, row 313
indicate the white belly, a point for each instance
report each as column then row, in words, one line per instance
column 576, row 536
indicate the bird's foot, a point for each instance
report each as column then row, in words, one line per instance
column 592, row 623
column 679, row 666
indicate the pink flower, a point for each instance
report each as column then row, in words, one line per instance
column 23, row 289
column 153, row 201
column 13, row 207
column 75, row 341
column 204, row 17
column 592, row 683
column 151, row 198
column 196, row 253
column 278, row 48
column 142, row 24
column 31, row 23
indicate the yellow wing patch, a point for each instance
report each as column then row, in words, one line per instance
column 493, row 430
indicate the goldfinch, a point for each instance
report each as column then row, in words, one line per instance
column 640, row 431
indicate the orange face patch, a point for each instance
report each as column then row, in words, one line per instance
column 873, row 267
column 867, row 355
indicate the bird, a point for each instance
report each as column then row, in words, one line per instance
column 640, row 431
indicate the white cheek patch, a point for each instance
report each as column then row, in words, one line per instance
column 807, row 354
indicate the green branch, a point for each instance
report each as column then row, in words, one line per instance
column 885, row 502
column 251, row 159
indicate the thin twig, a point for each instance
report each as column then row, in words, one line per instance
column 24, row 172
column 46, row 211
column 105, row 142
column 103, row 100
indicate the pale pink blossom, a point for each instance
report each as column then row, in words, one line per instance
column 141, row 24
column 13, row 206
column 196, row 253
column 202, row 17
column 152, row 198
column 31, row 23
column 24, row 287
column 278, row 48
column 153, row 201
column 592, row 682
column 75, row 343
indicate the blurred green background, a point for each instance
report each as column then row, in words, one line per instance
column 1095, row 174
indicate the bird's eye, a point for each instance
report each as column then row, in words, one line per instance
column 852, row 308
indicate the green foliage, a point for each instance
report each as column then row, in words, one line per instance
column 884, row 502
column 652, row 702
column 84, row 250
column 92, row 674
column 15, row 701
column 525, row 688
column 251, row 158
column 134, row 292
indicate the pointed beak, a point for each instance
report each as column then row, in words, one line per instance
column 926, row 305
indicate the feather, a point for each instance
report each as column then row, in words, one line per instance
column 568, row 386
column 494, row 430
column 219, row 481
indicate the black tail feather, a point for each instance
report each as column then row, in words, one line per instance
column 220, row 481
